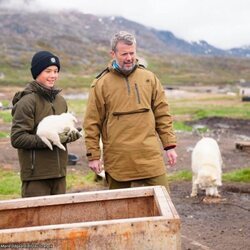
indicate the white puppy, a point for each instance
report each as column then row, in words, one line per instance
column 51, row 126
column 206, row 167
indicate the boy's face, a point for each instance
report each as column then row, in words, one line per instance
column 48, row 76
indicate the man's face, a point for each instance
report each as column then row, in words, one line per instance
column 125, row 56
column 48, row 77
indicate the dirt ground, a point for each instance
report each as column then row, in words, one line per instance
column 215, row 226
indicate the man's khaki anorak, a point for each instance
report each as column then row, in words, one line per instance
column 130, row 113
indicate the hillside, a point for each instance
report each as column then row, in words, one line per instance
column 82, row 42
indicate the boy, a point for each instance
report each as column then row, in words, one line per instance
column 43, row 172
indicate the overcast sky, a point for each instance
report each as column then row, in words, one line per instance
column 222, row 23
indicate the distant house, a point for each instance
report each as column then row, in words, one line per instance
column 245, row 91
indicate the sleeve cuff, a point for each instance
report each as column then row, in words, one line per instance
column 93, row 156
column 169, row 147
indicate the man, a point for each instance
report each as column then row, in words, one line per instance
column 127, row 109
column 43, row 170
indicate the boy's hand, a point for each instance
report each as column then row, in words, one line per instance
column 66, row 136
column 74, row 135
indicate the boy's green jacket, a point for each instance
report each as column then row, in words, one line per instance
column 30, row 106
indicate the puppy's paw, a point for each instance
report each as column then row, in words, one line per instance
column 193, row 194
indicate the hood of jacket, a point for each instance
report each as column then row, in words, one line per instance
column 35, row 87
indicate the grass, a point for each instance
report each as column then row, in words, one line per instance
column 4, row 134
column 217, row 105
column 193, row 108
column 5, row 115
column 239, row 175
column 182, row 175
column 190, row 70
column 79, row 81
column 77, row 181
column 10, row 184
column 172, row 69
column 181, row 126
column 77, row 106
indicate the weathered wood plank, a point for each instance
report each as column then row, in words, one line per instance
column 137, row 218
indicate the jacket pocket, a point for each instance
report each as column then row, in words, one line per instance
column 136, row 111
column 130, row 127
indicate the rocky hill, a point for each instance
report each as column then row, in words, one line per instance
column 75, row 33
column 82, row 41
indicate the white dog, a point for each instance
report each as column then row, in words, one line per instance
column 51, row 126
column 206, row 167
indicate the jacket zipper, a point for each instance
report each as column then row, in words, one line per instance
column 32, row 160
column 53, row 109
column 137, row 93
column 128, row 86
column 58, row 160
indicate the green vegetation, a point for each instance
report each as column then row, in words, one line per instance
column 240, row 175
column 75, row 81
column 204, row 70
column 202, row 107
column 172, row 69
column 78, row 181
column 183, row 175
column 4, row 134
column 190, row 108
column 10, row 183
column 5, row 115
column 77, row 106
column 181, row 126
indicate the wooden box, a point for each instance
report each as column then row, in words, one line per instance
column 135, row 218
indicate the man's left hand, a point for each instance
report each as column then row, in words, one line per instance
column 172, row 157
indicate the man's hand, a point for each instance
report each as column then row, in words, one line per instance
column 96, row 166
column 172, row 157
column 66, row 136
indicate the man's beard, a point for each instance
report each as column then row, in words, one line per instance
column 126, row 70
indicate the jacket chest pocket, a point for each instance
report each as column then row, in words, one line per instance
column 143, row 93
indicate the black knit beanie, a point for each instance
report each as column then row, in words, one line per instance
column 41, row 60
